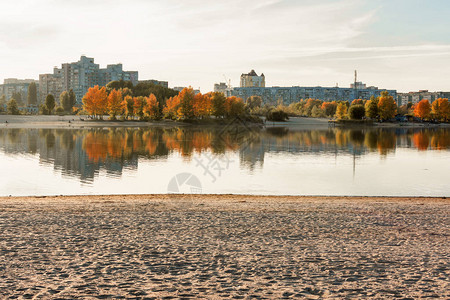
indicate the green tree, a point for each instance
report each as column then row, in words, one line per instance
column 317, row 112
column 2, row 103
column 32, row 94
column 18, row 97
column 356, row 112
column 119, row 84
column 218, row 104
column 50, row 103
column 43, row 110
column 72, row 98
column 64, row 101
column 12, row 107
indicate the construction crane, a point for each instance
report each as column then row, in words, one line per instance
column 227, row 81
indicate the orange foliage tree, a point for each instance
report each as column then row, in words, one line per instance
column 329, row 108
column 115, row 107
column 95, row 101
column 186, row 98
column 171, row 108
column 357, row 102
column 128, row 106
column 387, row 108
column 202, row 105
column 441, row 109
column 138, row 107
column 151, row 108
column 422, row 109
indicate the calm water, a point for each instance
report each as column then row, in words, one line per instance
column 271, row 161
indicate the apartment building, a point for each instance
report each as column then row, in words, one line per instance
column 11, row 86
column 80, row 76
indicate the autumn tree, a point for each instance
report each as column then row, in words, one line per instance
column 341, row 111
column 128, row 106
column 32, row 94
column 371, row 107
column 387, row 108
column 358, row 102
column 186, row 98
column 422, row 109
column 310, row 104
column 151, row 108
column 115, row 106
column 171, row 108
column 95, row 101
column 329, row 108
column 50, row 103
column 234, row 107
column 202, row 105
column 440, row 109
column 138, row 107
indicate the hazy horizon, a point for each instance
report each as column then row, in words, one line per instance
column 393, row 44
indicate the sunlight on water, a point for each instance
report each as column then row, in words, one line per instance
column 408, row 162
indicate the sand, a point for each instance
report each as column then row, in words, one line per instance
column 209, row 246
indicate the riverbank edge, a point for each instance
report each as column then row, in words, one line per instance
column 223, row 197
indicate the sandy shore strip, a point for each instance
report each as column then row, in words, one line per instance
column 224, row 246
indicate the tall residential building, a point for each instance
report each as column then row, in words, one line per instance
column 416, row 97
column 14, row 85
column 80, row 76
column 252, row 80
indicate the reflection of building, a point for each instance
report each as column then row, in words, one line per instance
column 252, row 80
column 13, row 85
column 415, row 97
column 80, row 76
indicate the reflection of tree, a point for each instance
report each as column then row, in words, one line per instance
column 421, row 140
column 441, row 139
column 85, row 151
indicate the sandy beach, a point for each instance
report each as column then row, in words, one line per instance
column 210, row 246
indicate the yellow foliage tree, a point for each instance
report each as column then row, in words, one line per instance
column 115, row 106
column 151, row 108
column 387, row 108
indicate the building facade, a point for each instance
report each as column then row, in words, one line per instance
column 12, row 86
column 252, row 80
column 288, row 95
column 416, row 97
column 80, row 76
column 156, row 82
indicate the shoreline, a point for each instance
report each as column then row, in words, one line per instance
column 294, row 123
column 296, row 198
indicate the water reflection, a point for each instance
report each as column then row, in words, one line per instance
column 83, row 153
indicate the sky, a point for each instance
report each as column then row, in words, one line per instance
column 394, row 44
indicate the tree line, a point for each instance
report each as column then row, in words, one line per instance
column 121, row 102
